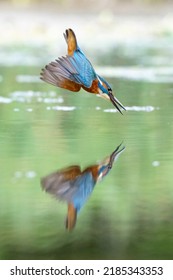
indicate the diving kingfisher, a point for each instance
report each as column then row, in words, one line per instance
column 74, row 186
column 74, row 71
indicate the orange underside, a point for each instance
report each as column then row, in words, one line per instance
column 93, row 88
column 72, row 86
column 94, row 171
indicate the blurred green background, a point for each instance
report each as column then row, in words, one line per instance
column 43, row 129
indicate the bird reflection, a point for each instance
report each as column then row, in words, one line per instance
column 74, row 186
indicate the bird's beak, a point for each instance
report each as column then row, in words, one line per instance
column 116, row 102
column 115, row 155
column 107, row 163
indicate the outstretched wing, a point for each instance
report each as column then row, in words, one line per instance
column 59, row 76
column 58, row 182
column 70, row 72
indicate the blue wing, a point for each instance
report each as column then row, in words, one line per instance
column 76, row 68
column 74, row 191
column 85, row 72
column 84, row 186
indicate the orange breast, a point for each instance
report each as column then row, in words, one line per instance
column 94, row 171
column 94, row 87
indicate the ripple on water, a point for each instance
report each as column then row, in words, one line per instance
column 29, row 109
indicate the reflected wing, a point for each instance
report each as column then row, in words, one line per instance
column 74, row 188
column 70, row 172
column 84, row 185
column 58, row 182
column 77, row 191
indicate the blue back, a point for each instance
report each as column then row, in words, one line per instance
column 84, row 186
column 85, row 73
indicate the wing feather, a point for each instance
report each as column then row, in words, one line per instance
column 76, row 69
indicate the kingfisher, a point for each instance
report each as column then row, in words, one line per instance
column 74, row 71
column 74, row 186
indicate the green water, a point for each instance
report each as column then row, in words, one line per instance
column 43, row 129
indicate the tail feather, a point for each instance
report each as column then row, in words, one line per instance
column 70, row 38
column 71, row 217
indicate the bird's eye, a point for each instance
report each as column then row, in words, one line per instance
column 109, row 90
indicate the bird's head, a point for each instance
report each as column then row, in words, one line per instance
column 105, row 92
column 106, row 164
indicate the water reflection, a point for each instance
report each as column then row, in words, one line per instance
column 75, row 186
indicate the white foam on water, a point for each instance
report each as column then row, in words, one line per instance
column 16, row 109
column 25, row 96
column 110, row 110
column 28, row 79
column 38, row 96
column 30, row 174
column 40, row 99
column 142, row 108
column 135, row 73
column 60, row 99
column 63, row 108
column 52, row 100
column 134, row 108
column 155, row 163
column 5, row 100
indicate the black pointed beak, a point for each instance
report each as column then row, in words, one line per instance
column 115, row 154
column 116, row 102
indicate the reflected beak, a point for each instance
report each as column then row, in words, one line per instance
column 106, row 165
column 116, row 103
column 115, row 155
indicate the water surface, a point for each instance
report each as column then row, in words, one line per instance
column 44, row 129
